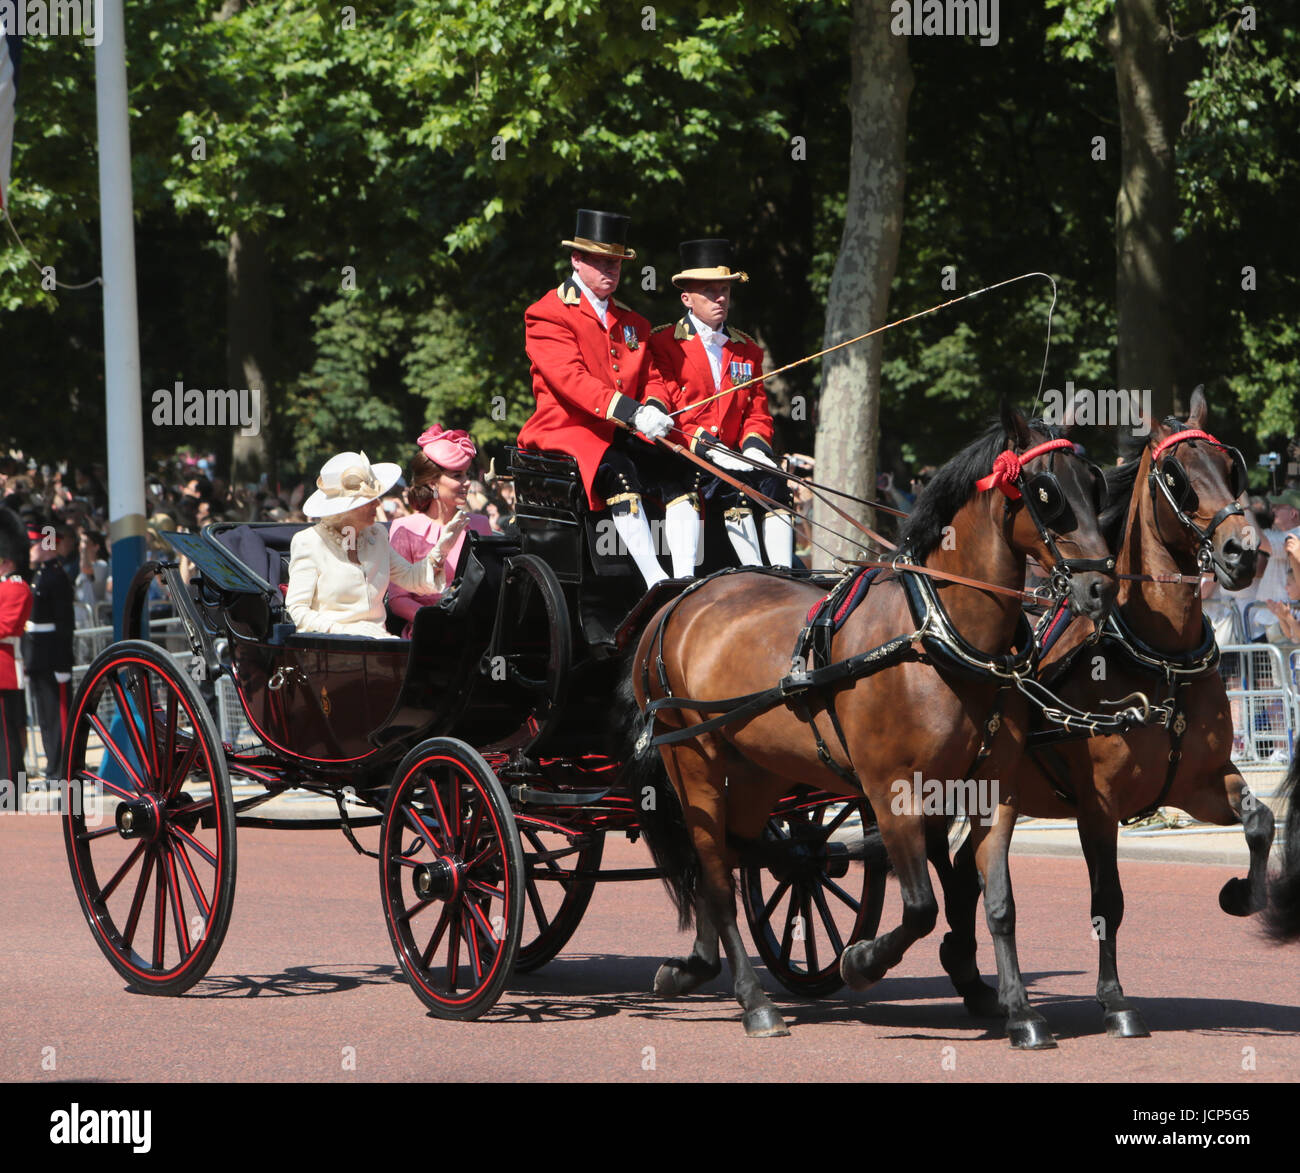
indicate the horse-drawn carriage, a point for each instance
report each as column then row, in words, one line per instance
column 481, row 747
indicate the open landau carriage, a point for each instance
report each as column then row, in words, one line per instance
column 481, row 748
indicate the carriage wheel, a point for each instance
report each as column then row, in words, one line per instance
column 555, row 906
column 451, row 874
column 812, row 902
column 532, row 648
column 149, row 818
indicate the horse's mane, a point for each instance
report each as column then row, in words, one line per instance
column 1120, row 479
column 952, row 486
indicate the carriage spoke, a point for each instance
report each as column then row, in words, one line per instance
column 832, row 930
column 169, row 746
column 535, row 902
column 160, row 918
column 421, row 828
column 770, row 906
column 150, row 728
column 787, row 938
column 86, row 836
column 409, row 914
column 856, row 905
column 442, row 813
column 195, row 887
column 137, row 904
column 836, row 822
column 486, row 889
column 453, row 950
column 439, row 929
column 181, row 772
column 203, row 851
column 471, row 838
column 178, row 909
column 113, row 748
column 127, row 712
column 111, row 886
column 809, row 933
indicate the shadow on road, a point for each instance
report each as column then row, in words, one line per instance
column 297, row 981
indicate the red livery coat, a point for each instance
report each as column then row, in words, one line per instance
column 587, row 378
column 15, row 610
column 736, row 420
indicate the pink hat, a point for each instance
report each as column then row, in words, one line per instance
column 452, row 450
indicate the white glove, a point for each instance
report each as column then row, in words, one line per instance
column 450, row 532
column 761, row 456
column 651, row 422
column 725, row 458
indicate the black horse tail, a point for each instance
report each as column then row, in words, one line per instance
column 658, row 809
column 1283, row 916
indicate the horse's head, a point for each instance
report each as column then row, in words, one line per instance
column 1053, row 497
column 1198, row 494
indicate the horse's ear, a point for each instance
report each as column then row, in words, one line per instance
column 1199, row 409
column 1013, row 424
column 1152, row 428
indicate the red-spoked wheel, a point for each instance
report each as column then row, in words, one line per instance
column 149, row 818
column 814, row 898
column 451, row 875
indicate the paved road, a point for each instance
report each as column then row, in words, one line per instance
column 307, row 973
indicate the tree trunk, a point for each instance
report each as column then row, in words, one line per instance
column 1146, row 209
column 248, row 343
column 248, row 335
column 848, row 414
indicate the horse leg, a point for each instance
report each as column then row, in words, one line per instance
column 1098, row 831
column 865, row 963
column 681, row 975
column 1026, row 1028
column 1224, row 798
column 961, row 892
column 704, row 786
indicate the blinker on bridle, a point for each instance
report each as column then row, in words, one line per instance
column 1176, row 486
column 1047, row 505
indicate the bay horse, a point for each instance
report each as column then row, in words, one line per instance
column 734, row 629
column 1177, row 511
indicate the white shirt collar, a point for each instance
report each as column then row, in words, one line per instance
column 715, row 337
column 601, row 306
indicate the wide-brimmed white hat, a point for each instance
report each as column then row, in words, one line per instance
column 348, row 481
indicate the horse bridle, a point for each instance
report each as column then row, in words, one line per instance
column 1176, row 485
column 1048, row 507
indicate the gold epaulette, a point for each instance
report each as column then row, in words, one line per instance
column 621, row 305
column 665, row 326
column 740, row 334
column 568, row 292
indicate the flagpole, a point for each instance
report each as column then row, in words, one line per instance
column 121, row 328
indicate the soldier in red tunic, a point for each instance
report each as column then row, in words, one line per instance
column 596, row 385
column 699, row 356
column 15, row 608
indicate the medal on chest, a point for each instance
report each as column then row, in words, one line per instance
column 630, row 339
column 741, row 371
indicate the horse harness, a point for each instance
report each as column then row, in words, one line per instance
column 814, row 674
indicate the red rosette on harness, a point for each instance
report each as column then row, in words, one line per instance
column 1007, row 467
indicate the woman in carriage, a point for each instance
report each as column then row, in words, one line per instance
column 440, row 518
column 340, row 568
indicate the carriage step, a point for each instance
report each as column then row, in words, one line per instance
column 528, row 796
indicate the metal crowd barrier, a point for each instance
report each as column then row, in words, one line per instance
column 1263, row 684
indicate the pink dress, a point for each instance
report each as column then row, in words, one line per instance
column 413, row 537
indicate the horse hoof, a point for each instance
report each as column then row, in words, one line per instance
column 1030, row 1034
column 851, row 972
column 1234, row 897
column 1126, row 1024
column 981, row 1001
column 764, row 1023
column 668, row 980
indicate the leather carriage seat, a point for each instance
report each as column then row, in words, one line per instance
column 263, row 549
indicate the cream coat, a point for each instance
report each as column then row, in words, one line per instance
column 330, row 593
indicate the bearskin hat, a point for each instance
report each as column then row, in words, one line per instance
column 14, row 545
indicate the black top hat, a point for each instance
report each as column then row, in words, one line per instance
column 603, row 234
column 707, row 260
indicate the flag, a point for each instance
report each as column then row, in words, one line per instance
column 9, row 43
